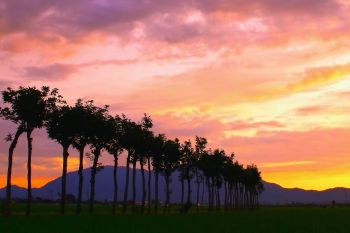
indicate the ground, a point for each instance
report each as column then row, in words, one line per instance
column 267, row 219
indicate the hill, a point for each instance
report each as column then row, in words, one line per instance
column 273, row 194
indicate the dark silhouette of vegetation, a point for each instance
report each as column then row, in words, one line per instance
column 169, row 163
column 115, row 149
column 60, row 128
column 157, row 151
column 101, row 135
column 82, row 123
column 86, row 125
column 28, row 108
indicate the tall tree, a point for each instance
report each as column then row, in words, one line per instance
column 101, row 135
column 60, row 128
column 149, row 137
column 157, row 151
column 170, row 162
column 253, row 186
column 200, row 148
column 129, row 131
column 28, row 108
column 115, row 149
column 143, row 151
column 84, row 112
column 187, row 153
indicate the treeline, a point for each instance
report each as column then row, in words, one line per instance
column 87, row 126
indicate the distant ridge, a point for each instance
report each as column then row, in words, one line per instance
column 273, row 195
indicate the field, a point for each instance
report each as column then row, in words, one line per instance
column 266, row 219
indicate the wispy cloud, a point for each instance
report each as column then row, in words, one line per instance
column 286, row 164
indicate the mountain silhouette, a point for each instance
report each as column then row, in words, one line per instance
column 273, row 194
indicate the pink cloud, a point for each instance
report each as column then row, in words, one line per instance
column 241, row 125
column 310, row 110
column 322, row 145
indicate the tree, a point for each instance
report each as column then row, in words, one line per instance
column 101, row 136
column 211, row 164
column 182, row 176
column 200, row 148
column 115, row 149
column 28, row 108
column 226, row 173
column 253, row 186
column 83, row 127
column 128, row 133
column 143, row 151
column 170, row 162
column 149, row 144
column 60, row 128
column 157, row 151
column 187, row 155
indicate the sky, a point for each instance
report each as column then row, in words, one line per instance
column 266, row 79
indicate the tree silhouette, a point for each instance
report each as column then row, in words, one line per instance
column 182, row 176
column 187, row 155
column 143, row 151
column 60, row 128
column 170, row 162
column 115, row 149
column 200, row 148
column 157, row 151
column 28, row 108
column 128, row 132
column 101, row 135
column 253, row 186
column 83, row 127
column 149, row 137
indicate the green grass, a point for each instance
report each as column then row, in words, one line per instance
column 267, row 219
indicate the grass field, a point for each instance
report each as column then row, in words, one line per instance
column 266, row 219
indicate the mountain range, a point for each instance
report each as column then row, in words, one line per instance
column 273, row 194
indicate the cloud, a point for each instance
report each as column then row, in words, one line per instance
column 286, row 164
column 164, row 20
column 312, row 110
column 312, row 7
column 52, row 72
column 242, row 125
column 320, row 76
column 322, row 145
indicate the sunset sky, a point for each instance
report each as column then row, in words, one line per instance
column 266, row 79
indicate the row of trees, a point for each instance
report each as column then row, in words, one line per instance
column 85, row 125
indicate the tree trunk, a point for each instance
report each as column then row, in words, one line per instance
column 167, row 195
column 115, row 183
column 29, row 172
column 156, row 179
column 126, row 189
column 144, row 193
column 182, row 192
column 198, row 187
column 209, row 193
column 93, row 180
column 203, row 190
column 218, row 202
column 81, row 178
column 133, row 186
column 7, row 209
column 64, row 179
column 149, row 185
column 226, row 196
column 212, row 188
column 189, row 192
